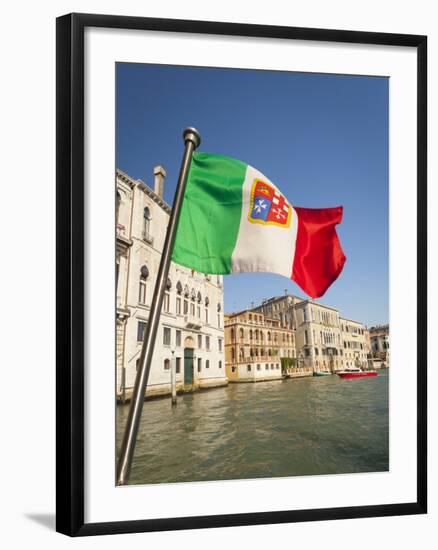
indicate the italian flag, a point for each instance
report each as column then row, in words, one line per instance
column 234, row 219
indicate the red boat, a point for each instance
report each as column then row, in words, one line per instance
column 356, row 372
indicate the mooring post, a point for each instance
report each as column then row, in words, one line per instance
column 173, row 377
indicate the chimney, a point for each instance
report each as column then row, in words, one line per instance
column 160, row 174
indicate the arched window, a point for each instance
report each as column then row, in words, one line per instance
column 250, row 334
column 179, row 287
column 118, row 201
column 232, row 335
column 144, row 274
column 241, row 333
column 269, row 336
column 232, row 354
column 146, row 224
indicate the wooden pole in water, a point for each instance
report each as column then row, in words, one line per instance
column 173, row 378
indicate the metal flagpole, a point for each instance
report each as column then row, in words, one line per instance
column 192, row 140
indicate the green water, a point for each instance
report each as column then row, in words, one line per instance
column 308, row 426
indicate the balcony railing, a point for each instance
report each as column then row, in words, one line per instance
column 120, row 230
column 122, row 236
column 259, row 359
column 192, row 322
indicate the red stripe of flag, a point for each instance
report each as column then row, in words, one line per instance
column 319, row 258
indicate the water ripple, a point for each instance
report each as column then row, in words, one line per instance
column 282, row 428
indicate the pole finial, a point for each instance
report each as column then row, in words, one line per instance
column 192, row 134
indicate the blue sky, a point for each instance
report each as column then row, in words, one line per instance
column 322, row 139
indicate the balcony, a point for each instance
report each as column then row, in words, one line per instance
column 192, row 322
column 259, row 359
column 123, row 241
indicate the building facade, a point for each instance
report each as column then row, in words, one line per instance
column 324, row 340
column 379, row 338
column 255, row 345
column 319, row 342
column 281, row 308
column 191, row 329
column 355, row 338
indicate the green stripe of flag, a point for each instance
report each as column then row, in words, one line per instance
column 210, row 213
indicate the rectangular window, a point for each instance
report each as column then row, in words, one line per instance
column 206, row 315
column 199, row 365
column 178, row 339
column 167, row 364
column 248, row 368
column 306, row 337
column 178, row 306
column 166, row 302
column 220, row 364
column 186, row 307
column 198, row 311
column 178, row 365
column 192, row 310
column 259, row 367
column 219, row 320
column 200, row 341
column 266, row 366
column 166, row 336
column 207, row 364
column 207, row 342
column 141, row 327
column 142, row 292
column 219, row 344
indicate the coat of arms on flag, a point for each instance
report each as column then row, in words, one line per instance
column 268, row 206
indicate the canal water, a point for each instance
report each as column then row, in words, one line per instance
column 307, row 426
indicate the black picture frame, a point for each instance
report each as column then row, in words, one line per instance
column 70, row 273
